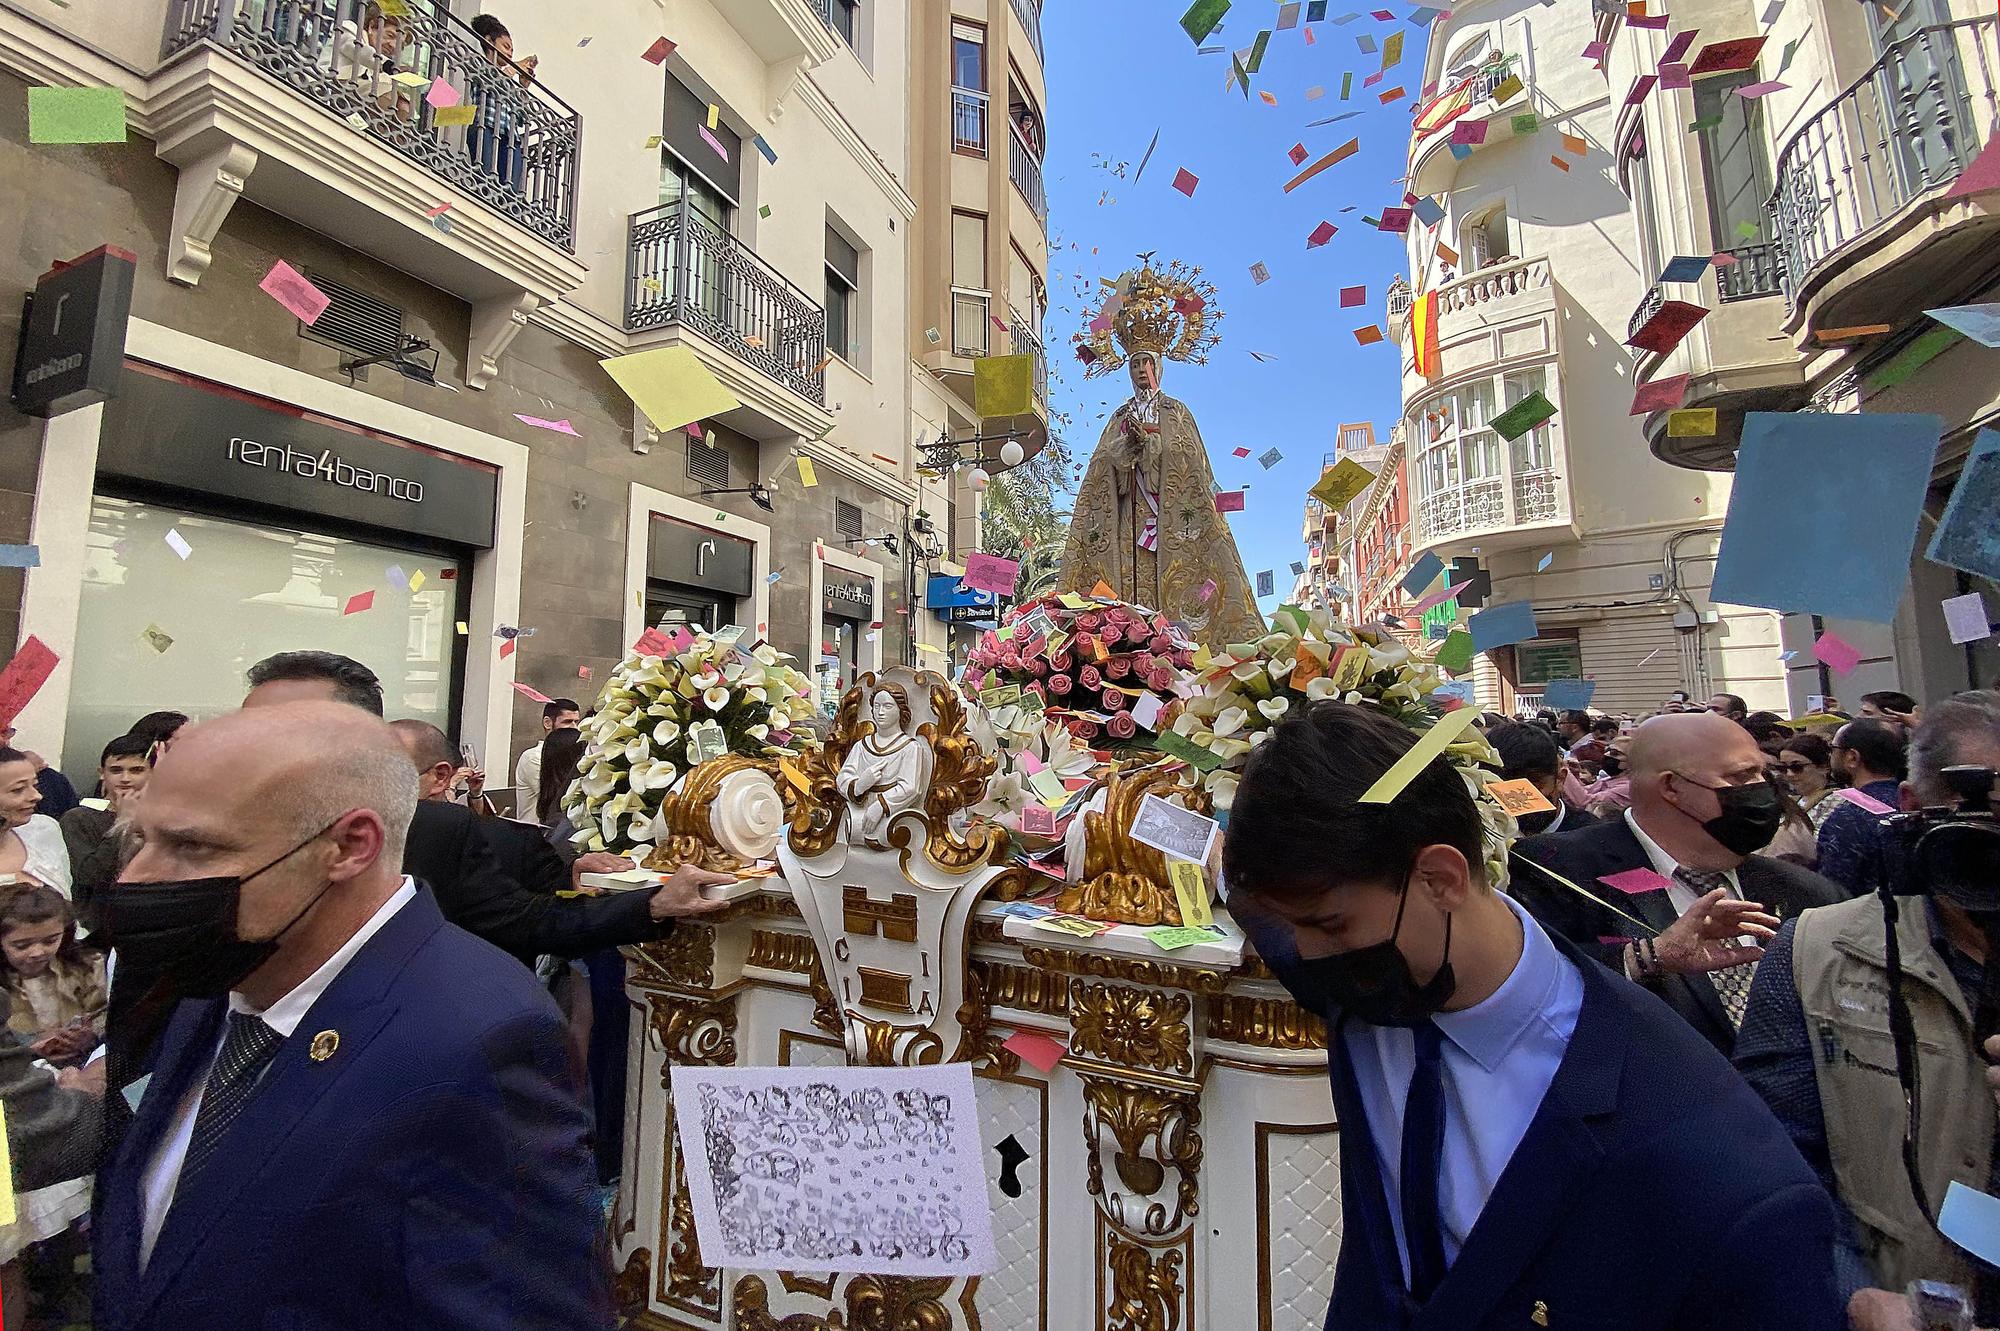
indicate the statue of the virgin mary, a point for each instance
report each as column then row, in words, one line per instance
column 1145, row 521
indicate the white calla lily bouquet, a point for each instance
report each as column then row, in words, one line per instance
column 659, row 716
column 1309, row 656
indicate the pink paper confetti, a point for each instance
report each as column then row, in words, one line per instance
column 30, row 668
column 1836, row 653
column 1320, row 235
column 1469, row 131
column 1035, row 1048
column 531, row 693
column 1861, row 799
column 1239, row 452
column 441, row 94
column 506, row 649
column 290, row 288
column 1038, row 820
column 1634, row 881
column 1595, row 51
column 1440, row 596
column 1674, row 76
column 1297, row 152
column 1185, row 181
column 360, row 601
column 560, row 427
column 712, row 142
column 1353, row 296
column 1764, row 89
column 991, row 573
column 437, row 209
column 1229, row 501
column 1660, row 395
column 1678, row 47
column 1640, row 87
column 653, row 643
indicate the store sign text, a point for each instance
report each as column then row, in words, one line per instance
column 324, row 466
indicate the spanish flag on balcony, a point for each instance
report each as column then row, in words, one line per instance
column 1444, row 108
column 1424, row 333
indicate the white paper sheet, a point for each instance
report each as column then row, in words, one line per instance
column 875, row 1170
column 1168, row 827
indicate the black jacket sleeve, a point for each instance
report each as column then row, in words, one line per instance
column 478, row 892
column 52, row 1134
column 93, row 858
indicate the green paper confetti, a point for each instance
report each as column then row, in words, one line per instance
column 76, row 115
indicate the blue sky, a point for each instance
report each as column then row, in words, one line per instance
column 1117, row 70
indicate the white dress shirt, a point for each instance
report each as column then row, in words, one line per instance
column 1679, row 893
column 163, row 1174
column 1499, row 1057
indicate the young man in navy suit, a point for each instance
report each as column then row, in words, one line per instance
column 360, row 1115
column 1526, row 1139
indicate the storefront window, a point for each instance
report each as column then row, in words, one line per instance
column 158, row 632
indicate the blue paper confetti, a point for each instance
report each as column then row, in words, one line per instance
column 1542, row 565
column 20, row 556
column 1423, row 574
column 1967, row 535
column 1498, row 625
column 770, row 153
column 1778, row 550
column 1568, row 695
column 1685, row 268
column 1981, row 323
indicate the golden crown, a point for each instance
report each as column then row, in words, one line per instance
column 1169, row 312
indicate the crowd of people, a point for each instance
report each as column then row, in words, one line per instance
column 1652, row 1078
column 456, row 1105
column 1655, row 1081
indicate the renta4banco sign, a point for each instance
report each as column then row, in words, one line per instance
column 326, row 466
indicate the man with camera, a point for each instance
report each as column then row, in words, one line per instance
column 1817, row 1039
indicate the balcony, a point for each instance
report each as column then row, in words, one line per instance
column 1025, row 170
column 1758, row 271
column 1502, row 313
column 1864, row 232
column 1029, row 12
column 683, row 273
column 284, row 103
column 968, row 122
column 519, row 156
column 1431, row 160
column 1028, row 343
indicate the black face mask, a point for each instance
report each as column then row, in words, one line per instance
column 1374, row 983
column 1750, row 815
column 1534, row 824
column 1611, row 765
column 182, row 933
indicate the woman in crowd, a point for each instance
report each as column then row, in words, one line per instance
column 561, row 752
column 1806, row 762
column 31, row 845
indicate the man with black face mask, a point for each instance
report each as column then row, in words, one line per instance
column 1526, row 1140
column 1689, row 900
column 359, row 1114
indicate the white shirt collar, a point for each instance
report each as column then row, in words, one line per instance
column 1663, row 863
column 285, row 1015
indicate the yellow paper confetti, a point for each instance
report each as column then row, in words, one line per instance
column 7, row 1214
column 1691, row 423
column 1433, row 742
column 806, row 474
column 444, row 117
column 417, row 580
column 670, row 385
column 463, row 631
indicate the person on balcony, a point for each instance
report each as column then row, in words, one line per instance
column 496, row 131
column 366, row 56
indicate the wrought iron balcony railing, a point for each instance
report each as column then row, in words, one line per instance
column 1030, row 14
column 968, row 121
column 1648, row 306
column 1758, row 271
column 1908, row 125
column 681, row 268
column 1025, row 169
column 518, row 156
column 1028, row 343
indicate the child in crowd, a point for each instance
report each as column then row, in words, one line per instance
column 55, row 985
column 56, row 997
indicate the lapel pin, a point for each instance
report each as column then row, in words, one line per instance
column 1540, row 1316
column 323, row 1046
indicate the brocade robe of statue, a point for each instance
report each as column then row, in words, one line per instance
column 1145, row 523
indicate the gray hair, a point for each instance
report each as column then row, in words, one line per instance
column 1948, row 731
column 373, row 776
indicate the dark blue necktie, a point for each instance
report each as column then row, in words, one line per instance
column 1423, row 1154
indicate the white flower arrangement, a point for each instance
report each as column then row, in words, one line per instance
column 1309, row 656
column 659, row 716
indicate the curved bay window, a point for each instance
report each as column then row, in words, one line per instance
column 1468, row 478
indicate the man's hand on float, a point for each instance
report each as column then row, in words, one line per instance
column 681, row 894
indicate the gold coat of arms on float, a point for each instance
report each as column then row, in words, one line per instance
column 882, row 874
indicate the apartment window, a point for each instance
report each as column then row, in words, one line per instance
column 843, row 280
column 1734, row 160
column 971, row 297
column 1636, row 175
column 687, row 155
column 1531, row 450
column 707, row 202
column 840, row 13
column 1484, row 239
column 968, row 88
